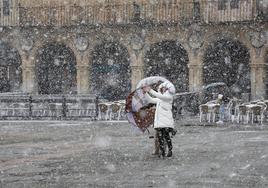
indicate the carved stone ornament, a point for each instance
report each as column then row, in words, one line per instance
column 257, row 39
column 26, row 44
column 195, row 40
column 81, row 43
column 136, row 42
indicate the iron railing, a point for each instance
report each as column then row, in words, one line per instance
column 48, row 106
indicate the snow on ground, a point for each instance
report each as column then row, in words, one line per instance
column 108, row 154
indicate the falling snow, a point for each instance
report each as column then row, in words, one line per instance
column 60, row 60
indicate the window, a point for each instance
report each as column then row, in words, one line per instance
column 234, row 4
column 6, row 8
column 136, row 11
column 196, row 10
column 222, row 4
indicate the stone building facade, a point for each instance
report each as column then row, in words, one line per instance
column 70, row 35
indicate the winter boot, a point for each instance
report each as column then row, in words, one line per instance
column 169, row 153
column 156, row 146
column 162, row 154
column 155, row 153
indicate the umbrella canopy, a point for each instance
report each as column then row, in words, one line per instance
column 150, row 81
column 139, row 112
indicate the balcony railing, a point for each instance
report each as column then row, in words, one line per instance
column 10, row 20
column 245, row 11
column 74, row 15
column 180, row 12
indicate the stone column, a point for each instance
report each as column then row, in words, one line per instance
column 28, row 54
column 195, row 52
column 136, row 76
column 82, row 52
column 195, row 72
column 137, row 72
column 258, row 73
column 257, row 54
column 83, row 81
column 135, row 45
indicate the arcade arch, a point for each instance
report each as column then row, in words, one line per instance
column 110, row 71
column 10, row 68
column 168, row 59
column 228, row 61
column 56, row 69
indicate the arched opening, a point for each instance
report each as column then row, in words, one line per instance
column 228, row 61
column 110, row 73
column 56, row 70
column 10, row 70
column 168, row 59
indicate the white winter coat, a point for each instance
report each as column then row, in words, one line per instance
column 163, row 114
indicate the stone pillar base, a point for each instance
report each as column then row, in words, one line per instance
column 29, row 82
column 83, row 79
column 136, row 76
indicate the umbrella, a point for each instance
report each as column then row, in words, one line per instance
column 150, row 81
column 139, row 112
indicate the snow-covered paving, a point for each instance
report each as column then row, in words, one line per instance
column 108, row 154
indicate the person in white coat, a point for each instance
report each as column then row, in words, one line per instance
column 163, row 120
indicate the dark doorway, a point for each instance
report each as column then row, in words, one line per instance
column 10, row 70
column 168, row 59
column 56, row 70
column 228, row 61
column 111, row 75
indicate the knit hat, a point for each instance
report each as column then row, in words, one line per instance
column 170, row 87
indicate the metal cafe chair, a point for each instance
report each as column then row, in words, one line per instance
column 228, row 110
column 103, row 110
column 115, row 110
column 257, row 112
column 242, row 113
column 234, row 109
column 266, row 110
column 122, row 109
column 204, row 111
column 214, row 112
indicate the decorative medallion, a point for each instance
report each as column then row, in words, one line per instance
column 257, row 39
column 195, row 40
column 81, row 43
column 136, row 42
column 26, row 44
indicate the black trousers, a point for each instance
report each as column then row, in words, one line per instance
column 163, row 136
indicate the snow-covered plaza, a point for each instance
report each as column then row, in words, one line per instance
column 36, row 154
